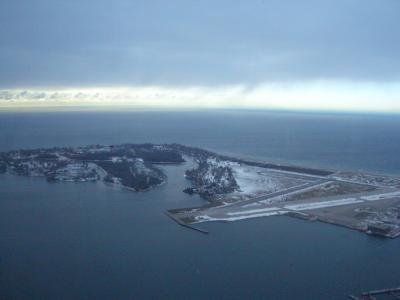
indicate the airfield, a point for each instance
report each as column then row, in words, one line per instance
column 366, row 202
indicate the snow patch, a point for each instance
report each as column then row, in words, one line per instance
column 315, row 205
column 206, row 218
column 252, row 182
column 252, row 211
column 381, row 196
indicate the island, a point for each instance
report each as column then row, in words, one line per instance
column 130, row 166
column 233, row 188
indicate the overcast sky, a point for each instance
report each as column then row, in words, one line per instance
column 348, row 48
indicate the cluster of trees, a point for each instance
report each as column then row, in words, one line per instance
column 209, row 181
column 159, row 156
column 146, row 152
column 130, row 177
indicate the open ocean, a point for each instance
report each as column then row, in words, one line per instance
column 91, row 241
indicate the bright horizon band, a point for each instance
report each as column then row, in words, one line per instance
column 318, row 95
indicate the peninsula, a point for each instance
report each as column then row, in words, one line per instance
column 233, row 188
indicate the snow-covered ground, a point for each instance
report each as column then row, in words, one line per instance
column 258, row 210
column 287, row 196
column 273, row 211
column 322, row 204
column 221, row 163
column 253, row 211
column 366, row 178
column 251, row 181
column 77, row 171
column 212, row 173
column 206, row 218
column 381, row 196
column 255, row 181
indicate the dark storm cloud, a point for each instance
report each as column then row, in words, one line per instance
column 182, row 42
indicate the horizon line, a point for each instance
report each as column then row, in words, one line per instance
column 167, row 108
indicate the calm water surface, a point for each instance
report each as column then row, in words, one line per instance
column 91, row 241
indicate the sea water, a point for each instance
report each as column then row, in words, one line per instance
column 92, row 241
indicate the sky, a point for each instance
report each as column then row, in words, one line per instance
column 317, row 54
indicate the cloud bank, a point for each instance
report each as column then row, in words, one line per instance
column 312, row 96
column 188, row 42
column 203, row 47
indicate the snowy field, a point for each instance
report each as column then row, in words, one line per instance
column 205, row 218
column 371, row 179
column 381, row 196
column 256, row 181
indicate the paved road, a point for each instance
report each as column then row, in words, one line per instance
column 274, row 194
column 222, row 210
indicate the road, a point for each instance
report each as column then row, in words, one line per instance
column 275, row 194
